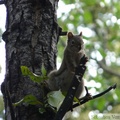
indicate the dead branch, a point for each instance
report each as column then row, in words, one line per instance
column 68, row 101
column 84, row 100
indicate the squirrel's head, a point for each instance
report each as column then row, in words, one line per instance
column 75, row 42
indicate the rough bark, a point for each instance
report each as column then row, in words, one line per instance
column 31, row 36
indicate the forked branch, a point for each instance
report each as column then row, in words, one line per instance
column 68, row 101
column 84, row 100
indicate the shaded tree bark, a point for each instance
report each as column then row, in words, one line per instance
column 31, row 36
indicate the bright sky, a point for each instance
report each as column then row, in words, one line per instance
column 2, row 45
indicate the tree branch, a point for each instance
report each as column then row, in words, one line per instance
column 61, row 33
column 68, row 101
column 101, row 36
column 107, row 69
column 82, row 101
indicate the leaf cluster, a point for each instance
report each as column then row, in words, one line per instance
column 51, row 101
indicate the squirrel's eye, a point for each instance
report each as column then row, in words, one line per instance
column 72, row 42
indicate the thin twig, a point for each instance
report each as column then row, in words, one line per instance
column 63, row 33
column 95, row 96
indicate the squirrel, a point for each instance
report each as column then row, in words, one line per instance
column 61, row 78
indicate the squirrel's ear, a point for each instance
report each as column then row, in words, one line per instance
column 70, row 35
column 80, row 34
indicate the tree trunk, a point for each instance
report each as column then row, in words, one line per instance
column 31, row 36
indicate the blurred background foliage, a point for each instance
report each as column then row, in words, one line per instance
column 99, row 21
column 1, row 108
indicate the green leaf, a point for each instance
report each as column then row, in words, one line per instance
column 29, row 99
column 90, row 2
column 102, row 52
column 35, row 78
column 55, row 98
column 76, row 100
column 69, row 2
column 25, row 70
column 43, row 70
column 87, row 17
